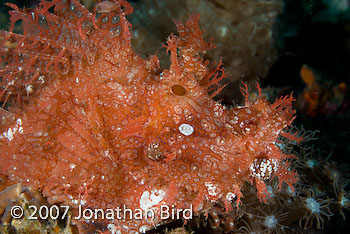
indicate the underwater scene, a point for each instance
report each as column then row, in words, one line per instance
column 174, row 116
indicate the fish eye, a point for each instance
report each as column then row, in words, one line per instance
column 178, row 90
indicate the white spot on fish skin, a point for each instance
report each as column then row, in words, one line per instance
column 12, row 131
column 212, row 188
column 186, row 129
column 150, row 199
column 230, row 196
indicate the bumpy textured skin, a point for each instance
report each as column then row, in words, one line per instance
column 102, row 127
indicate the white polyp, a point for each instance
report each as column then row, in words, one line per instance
column 271, row 221
column 313, row 205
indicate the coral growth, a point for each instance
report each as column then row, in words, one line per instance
column 316, row 209
column 96, row 125
column 320, row 97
